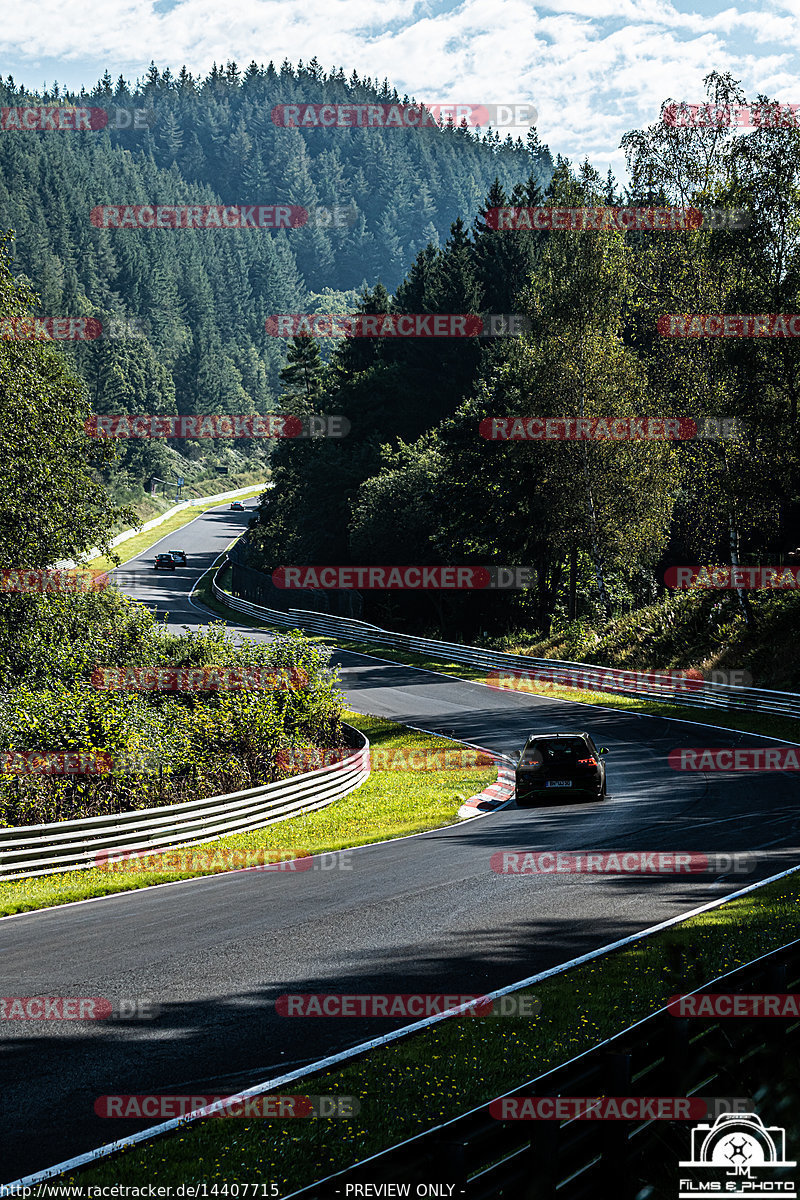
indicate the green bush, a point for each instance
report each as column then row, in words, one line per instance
column 164, row 747
column 61, row 636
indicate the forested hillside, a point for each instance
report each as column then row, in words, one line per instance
column 201, row 297
column 417, row 483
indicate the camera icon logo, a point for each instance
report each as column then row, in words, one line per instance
column 738, row 1142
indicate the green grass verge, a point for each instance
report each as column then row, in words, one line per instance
column 461, row 1063
column 389, row 804
column 146, row 505
column 135, row 545
column 784, row 728
column 698, row 628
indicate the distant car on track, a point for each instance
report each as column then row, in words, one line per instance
column 560, row 764
column 179, row 556
column 237, row 506
column 164, row 562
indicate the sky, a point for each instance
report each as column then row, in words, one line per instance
column 592, row 69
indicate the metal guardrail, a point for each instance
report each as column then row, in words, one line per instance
column 31, row 850
column 701, row 695
column 491, row 1159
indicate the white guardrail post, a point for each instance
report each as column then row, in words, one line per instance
column 697, row 694
column 26, row 851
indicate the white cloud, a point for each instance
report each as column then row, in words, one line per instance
column 592, row 68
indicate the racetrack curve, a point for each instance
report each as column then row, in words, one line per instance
column 420, row 914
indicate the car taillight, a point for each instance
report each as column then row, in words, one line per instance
column 530, row 762
column 587, row 762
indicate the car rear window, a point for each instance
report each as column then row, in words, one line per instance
column 559, row 749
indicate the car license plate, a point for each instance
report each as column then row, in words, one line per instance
column 559, row 783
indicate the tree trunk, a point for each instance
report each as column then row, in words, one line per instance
column 743, row 598
column 573, row 584
column 597, row 557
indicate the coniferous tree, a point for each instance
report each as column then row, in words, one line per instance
column 303, row 373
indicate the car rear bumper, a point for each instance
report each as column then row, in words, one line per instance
column 528, row 793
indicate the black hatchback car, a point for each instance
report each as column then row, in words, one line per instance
column 553, row 765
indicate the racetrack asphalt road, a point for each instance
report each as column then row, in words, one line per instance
column 423, row 914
